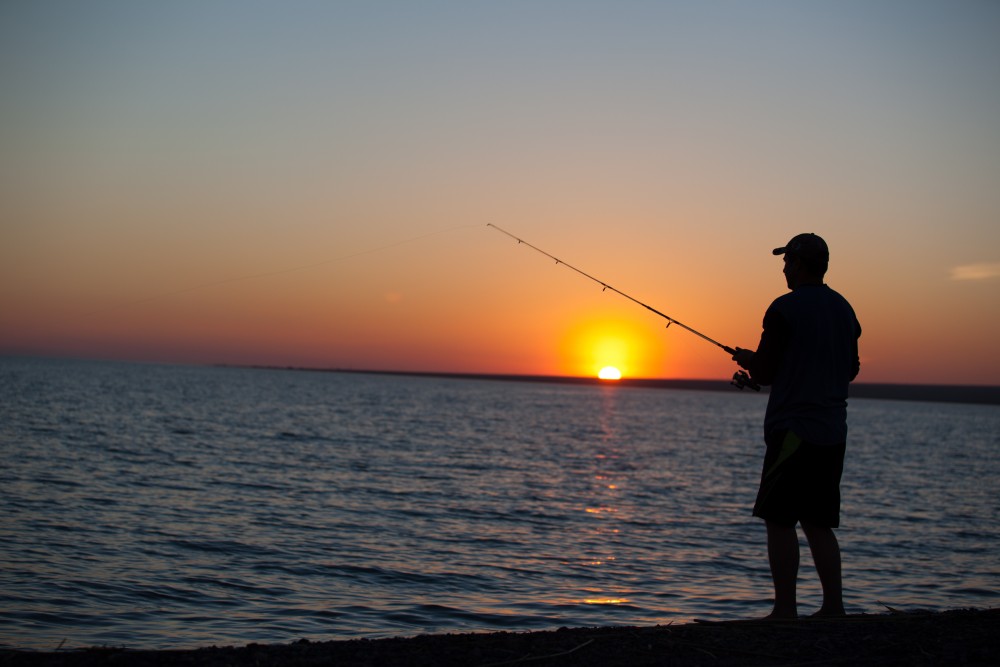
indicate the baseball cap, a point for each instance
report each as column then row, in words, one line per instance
column 805, row 246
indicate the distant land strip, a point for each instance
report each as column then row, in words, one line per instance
column 977, row 394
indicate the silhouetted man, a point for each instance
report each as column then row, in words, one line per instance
column 808, row 353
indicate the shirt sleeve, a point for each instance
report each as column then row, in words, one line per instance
column 773, row 340
column 856, row 367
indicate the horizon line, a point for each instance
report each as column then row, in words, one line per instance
column 936, row 393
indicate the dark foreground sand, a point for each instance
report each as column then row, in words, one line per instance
column 966, row 637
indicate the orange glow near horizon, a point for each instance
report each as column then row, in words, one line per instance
column 611, row 349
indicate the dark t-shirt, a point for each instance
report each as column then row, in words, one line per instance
column 808, row 353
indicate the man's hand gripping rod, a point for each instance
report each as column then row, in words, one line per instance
column 740, row 379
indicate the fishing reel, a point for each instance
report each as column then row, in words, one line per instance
column 742, row 379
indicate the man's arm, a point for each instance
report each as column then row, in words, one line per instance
column 763, row 364
column 856, row 364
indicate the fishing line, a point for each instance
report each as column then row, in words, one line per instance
column 280, row 272
column 740, row 379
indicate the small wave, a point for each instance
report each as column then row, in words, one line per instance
column 227, row 547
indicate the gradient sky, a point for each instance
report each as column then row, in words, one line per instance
column 309, row 183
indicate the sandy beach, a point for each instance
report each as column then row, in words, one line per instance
column 959, row 637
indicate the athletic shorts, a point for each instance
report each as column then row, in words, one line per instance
column 800, row 481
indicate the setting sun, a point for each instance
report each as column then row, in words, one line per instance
column 609, row 373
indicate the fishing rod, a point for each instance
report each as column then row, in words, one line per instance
column 740, row 379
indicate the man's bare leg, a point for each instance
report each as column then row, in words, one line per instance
column 826, row 554
column 783, row 556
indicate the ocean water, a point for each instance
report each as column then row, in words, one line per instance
column 176, row 507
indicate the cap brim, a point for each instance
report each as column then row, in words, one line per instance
column 779, row 251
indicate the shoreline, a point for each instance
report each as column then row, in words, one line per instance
column 965, row 636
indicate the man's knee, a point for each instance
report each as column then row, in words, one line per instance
column 809, row 526
column 814, row 531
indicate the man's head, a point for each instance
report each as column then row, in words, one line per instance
column 806, row 259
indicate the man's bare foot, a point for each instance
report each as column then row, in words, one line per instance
column 781, row 615
column 837, row 612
